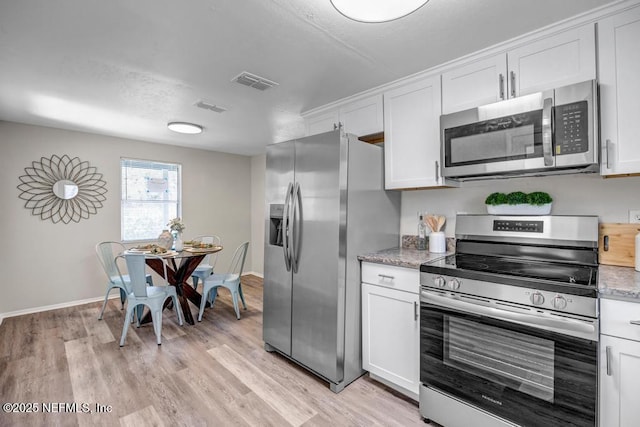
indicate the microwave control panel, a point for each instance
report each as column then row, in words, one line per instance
column 571, row 128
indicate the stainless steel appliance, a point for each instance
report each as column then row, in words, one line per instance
column 509, row 324
column 325, row 203
column 549, row 132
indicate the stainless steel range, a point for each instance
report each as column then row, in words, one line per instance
column 509, row 324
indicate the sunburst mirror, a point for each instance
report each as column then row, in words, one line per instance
column 62, row 189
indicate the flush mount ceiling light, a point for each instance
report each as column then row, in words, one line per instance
column 183, row 127
column 377, row 10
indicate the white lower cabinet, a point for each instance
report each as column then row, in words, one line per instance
column 391, row 327
column 619, row 364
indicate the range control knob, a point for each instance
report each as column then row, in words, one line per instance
column 559, row 302
column 438, row 281
column 454, row 284
column 537, row 298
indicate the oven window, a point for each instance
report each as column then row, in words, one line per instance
column 515, row 360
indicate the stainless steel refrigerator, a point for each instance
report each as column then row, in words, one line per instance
column 325, row 204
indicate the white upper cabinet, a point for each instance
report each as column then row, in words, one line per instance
column 473, row 84
column 557, row 60
column 361, row 117
column 619, row 79
column 323, row 122
column 412, row 135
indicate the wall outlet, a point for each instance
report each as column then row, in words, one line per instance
column 634, row 216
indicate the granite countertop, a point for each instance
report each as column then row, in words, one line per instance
column 613, row 282
column 401, row 257
column 619, row 282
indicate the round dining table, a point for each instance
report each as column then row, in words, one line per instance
column 180, row 266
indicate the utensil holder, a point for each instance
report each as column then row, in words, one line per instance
column 437, row 242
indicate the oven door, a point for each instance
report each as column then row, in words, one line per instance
column 524, row 374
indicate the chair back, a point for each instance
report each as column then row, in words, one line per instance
column 107, row 253
column 136, row 268
column 210, row 259
column 237, row 262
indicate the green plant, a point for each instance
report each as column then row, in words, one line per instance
column 496, row 199
column 538, row 198
column 517, row 198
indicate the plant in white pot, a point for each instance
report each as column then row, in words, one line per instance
column 519, row 203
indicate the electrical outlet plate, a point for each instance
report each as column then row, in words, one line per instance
column 634, row 216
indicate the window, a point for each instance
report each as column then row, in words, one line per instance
column 151, row 196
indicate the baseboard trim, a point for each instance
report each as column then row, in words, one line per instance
column 55, row 306
column 78, row 302
column 254, row 274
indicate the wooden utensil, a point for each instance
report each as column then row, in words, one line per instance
column 441, row 220
column 616, row 244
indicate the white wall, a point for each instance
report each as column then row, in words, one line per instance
column 590, row 194
column 46, row 264
column 258, row 169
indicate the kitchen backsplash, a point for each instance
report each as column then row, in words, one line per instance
column 411, row 242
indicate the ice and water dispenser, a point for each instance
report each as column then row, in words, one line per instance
column 275, row 224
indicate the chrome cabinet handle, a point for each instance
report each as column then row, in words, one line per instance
column 608, row 350
column 513, row 84
column 415, row 310
column 546, row 132
column 635, row 322
column 285, row 228
column 606, row 150
column 501, row 86
column 384, row 276
column 437, row 170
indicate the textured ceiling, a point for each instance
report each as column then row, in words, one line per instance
column 125, row 68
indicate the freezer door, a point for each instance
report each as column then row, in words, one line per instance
column 319, row 218
column 279, row 180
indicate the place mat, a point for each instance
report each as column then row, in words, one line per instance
column 203, row 250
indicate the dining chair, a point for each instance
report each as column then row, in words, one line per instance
column 205, row 269
column 229, row 280
column 107, row 252
column 138, row 293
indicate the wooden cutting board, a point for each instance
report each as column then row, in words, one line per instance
column 616, row 244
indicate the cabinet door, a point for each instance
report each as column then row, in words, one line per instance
column 619, row 68
column 558, row 60
column 474, row 84
column 391, row 336
column 412, row 135
column 619, row 382
column 363, row 117
column 321, row 123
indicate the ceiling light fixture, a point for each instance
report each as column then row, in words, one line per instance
column 372, row 11
column 183, row 127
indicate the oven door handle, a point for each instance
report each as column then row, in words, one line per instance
column 564, row 325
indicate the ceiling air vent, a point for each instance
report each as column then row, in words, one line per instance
column 253, row 81
column 208, row 106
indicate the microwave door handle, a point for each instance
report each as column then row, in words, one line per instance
column 546, row 132
column 286, row 229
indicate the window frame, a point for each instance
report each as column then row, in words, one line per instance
column 123, row 199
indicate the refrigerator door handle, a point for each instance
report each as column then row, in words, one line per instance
column 295, row 235
column 286, row 229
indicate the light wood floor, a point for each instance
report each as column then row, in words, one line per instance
column 213, row 373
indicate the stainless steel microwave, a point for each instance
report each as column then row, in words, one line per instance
column 554, row 131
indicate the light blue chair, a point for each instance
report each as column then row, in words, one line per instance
column 205, row 269
column 138, row 293
column 229, row 280
column 107, row 252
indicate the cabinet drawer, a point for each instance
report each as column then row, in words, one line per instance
column 401, row 278
column 616, row 317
